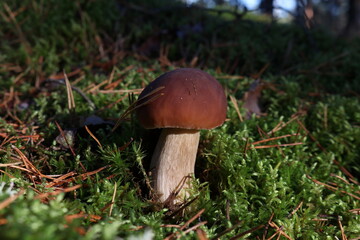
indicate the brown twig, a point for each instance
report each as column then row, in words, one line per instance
column 296, row 209
column 274, row 138
column 66, row 140
column 136, row 91
column 281, row 124
column 28, row 165
column 93, row 136
column 193, row 228
column 267, row 226
column 57, row 192
column 310, row 135
column 201, row 234
column 346, row 172
column 279, row 230
column 11, row 199
column 247, row 232
column 187, row 223
column 278, row 145
column 60, row 179
column 343, row 236
column 333, row 188
column 228, row 230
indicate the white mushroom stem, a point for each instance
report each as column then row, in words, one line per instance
column 174, row 161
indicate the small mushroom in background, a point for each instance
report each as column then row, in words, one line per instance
column 181, row 102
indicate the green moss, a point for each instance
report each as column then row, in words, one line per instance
column 311, row 84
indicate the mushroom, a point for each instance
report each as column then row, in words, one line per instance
column 181, row 102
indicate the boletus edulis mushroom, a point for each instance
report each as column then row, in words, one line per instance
column 180, row 102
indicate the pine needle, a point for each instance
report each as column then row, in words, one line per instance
column 113, row 199
column 135, row 106
column 70, row 96
column 234, row 102
column 11, row 199
column 93, row 136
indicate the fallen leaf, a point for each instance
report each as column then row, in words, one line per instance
column 251, row 99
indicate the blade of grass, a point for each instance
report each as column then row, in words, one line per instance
column 134, row 105
column 19, row 32
column 82, row 94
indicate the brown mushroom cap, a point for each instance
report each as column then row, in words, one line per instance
column 184, row 98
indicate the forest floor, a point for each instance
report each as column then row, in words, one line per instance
column 69, row 70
